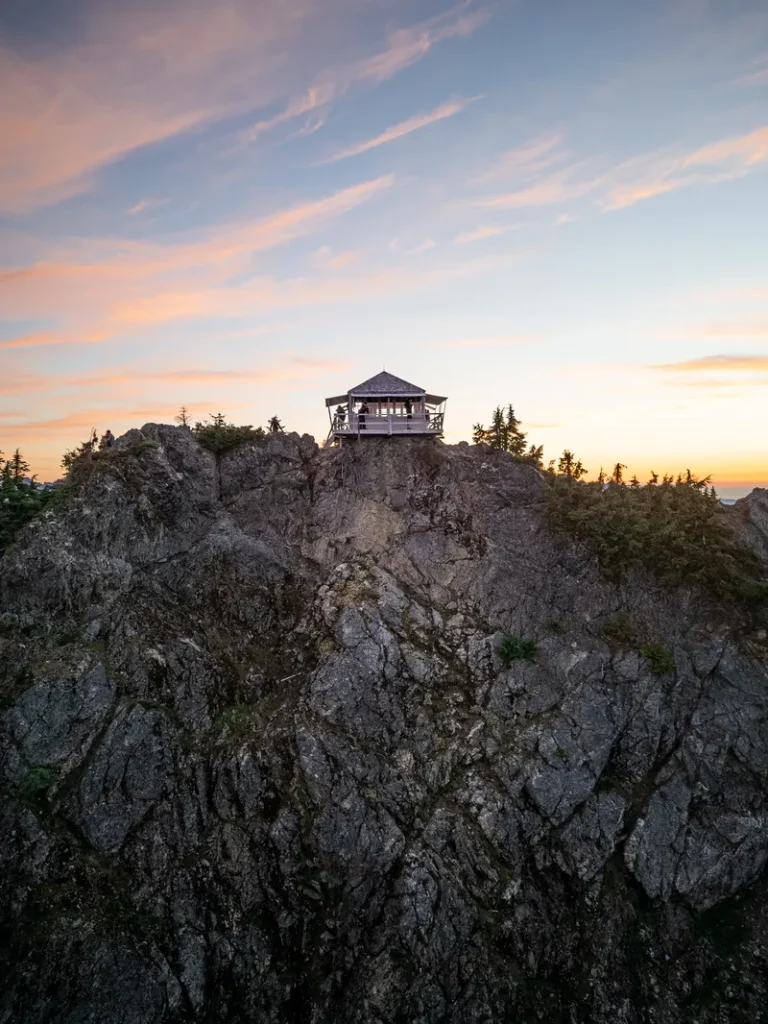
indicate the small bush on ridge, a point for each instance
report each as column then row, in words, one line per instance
column 514, row 648
column 661, row 659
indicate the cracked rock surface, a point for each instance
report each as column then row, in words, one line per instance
column 261, row 761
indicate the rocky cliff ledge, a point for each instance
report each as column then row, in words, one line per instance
column 261, row 760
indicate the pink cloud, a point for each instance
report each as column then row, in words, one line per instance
column 509, row 339
column 144, row 73
column 633, row 181
column 100, row 290
column 486, row 231
column 398, row 131
column 527, row 160
column 727, row 363
column 136, row 77
column 404, row 47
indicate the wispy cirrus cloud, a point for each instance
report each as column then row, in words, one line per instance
column 559, row 187
column 718, row 363
column 756, row 74
column 724, row 160
column 757, row 331
column 145, row 204
column 404, row 48
column 485, row 231
column 110, row 286
column 633, row 181
column 528, row 159
column 141, row 74
column 38, row 339
column 326, row 259
column 407, row 127
column 134, row 76
column 482, row 342
column 132, row 379
column 408, row 248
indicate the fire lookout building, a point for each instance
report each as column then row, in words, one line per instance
column 385, row 405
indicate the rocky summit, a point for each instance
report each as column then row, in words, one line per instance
column 302, row 736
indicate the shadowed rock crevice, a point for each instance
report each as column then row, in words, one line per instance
column 262, row 760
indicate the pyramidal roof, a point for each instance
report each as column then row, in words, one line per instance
column 386, row 384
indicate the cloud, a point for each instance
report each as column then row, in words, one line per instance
column 509, row 339
column 755, row 77
column 486, row 231
column 293, row 368
column 100, row 287
column 404, row 47
column 131, row 380
column 135, row 76
column 398, row 131
column 145, row 204
column 326, row 259
column 655, row 175
column 633, row 181
column 527, row 160
column 720, row 363
column 398, row 245
column 37, row 339
column 407, row 46
column 559, row 187
column 736, row 330
column 144, row 73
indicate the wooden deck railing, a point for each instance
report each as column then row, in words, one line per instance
column 368, row 424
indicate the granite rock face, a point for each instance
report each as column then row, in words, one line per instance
column 261, row 760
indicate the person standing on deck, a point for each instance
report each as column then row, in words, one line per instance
column 361, row 414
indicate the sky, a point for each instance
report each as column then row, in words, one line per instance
column 251, row 205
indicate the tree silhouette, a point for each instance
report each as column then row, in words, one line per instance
column 20, row 497
column 274, row 426
column 69, row 458
column 515, row 437
column 19, row 466
column 182, row 416
column 566, row 462
column 570, row 466
column 618, row 474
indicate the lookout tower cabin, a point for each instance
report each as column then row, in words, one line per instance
column 385, row 405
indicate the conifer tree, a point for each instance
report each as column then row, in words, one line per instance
column 566, row 463
column 618, row 474
column 498, row 431
column 274, row 426
column 515, row 437
column 19, row 466
column 182, row 416
column 535, row 455
column 69, row 458
column 505, row 434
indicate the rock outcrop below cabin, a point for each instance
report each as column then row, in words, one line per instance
column 261, row 761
